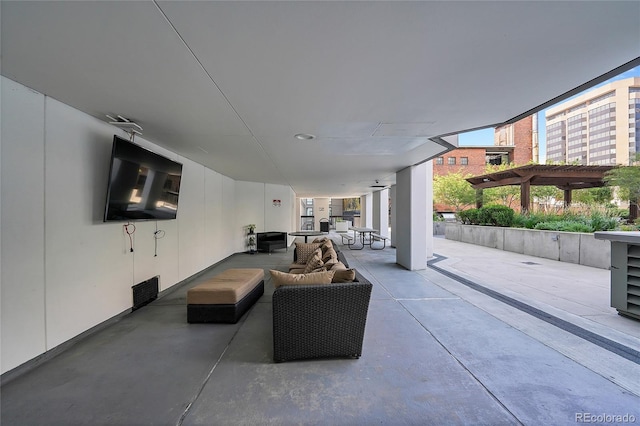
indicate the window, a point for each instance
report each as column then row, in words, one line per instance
column 440, row 161
column 464, row 161
column 451, row 161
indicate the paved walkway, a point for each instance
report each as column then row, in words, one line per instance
column 573, row 298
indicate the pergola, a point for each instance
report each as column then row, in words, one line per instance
column 566, row 178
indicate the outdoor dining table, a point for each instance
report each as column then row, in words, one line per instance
column 363, row 232
column 306, row 234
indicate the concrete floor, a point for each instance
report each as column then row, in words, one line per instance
column 435, row 352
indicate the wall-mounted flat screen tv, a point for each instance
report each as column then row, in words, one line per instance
column 142, row 184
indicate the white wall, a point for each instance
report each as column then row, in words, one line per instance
column 22, row 227
column 254, row 204
column 62, row 269
column 279, row 218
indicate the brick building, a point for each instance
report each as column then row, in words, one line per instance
column 515, row 143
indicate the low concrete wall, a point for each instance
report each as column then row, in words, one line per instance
column 571, row 247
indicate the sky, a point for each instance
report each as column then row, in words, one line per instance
column 484, row 137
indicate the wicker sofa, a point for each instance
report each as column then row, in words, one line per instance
column 320, row 321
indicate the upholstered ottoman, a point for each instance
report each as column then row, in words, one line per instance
column 225, row 297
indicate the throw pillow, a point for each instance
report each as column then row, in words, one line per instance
column 329, row 255
column 304, row 251
column 314, row 262
column 343, row 275
column 315, row 278
column 321, row 239
column 327, row 244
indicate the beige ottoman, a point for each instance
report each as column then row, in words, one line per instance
column 225, row 297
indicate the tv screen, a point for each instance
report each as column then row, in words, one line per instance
column 142, row 185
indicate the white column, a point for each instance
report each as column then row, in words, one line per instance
column 380, row 212
column 412, row 210
column 394, row 203
column 366, row 211
column 429, row 206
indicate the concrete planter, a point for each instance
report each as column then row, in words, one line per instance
column 343, row 226
column 571, row 247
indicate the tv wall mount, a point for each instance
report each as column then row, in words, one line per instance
column 129, row 126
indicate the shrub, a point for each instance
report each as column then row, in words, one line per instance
column 469, row 217
column 563, row 225
column 490, row 215
column 497, row 215
column 567, row 221
column 600, row 222
column 576, row 227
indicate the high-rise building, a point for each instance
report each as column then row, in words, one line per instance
column 598, row 127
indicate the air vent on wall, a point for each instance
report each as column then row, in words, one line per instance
column 378, row 186
column 145, row 292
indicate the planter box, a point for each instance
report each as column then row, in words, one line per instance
column 343, row 226
column 571, row 247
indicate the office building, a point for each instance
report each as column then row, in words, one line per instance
column 598, row 127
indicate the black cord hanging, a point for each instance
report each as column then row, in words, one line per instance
column 159, row 233
column 130, row 229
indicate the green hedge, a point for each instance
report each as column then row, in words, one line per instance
column 504, row 216
column 494, row 215
column 569, row 222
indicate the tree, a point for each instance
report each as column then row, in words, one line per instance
column 546, row 195
column 453, row 190
column 593, row 196
column 627, row 179
column 505, row 195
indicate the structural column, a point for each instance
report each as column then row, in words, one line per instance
column 525, row 196
column 366, row 211
column 320, row 211
column 567, row 197
column 393, row 214
column 414, row 209
column 381, row 211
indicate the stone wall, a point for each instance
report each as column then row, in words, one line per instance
column 571, row 247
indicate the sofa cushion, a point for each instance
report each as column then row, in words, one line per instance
column 336, row 266
column 304, row 251
column 329, row 254
column 343, row 275
column 314, row 262
column 314, row 278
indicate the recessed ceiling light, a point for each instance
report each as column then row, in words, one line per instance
column 304, row 136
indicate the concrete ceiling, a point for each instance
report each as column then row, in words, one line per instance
column 229, row 84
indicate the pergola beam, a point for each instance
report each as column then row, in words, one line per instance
column 566, row 178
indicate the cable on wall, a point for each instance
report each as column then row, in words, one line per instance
column 129, row 229
column 159, row 233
